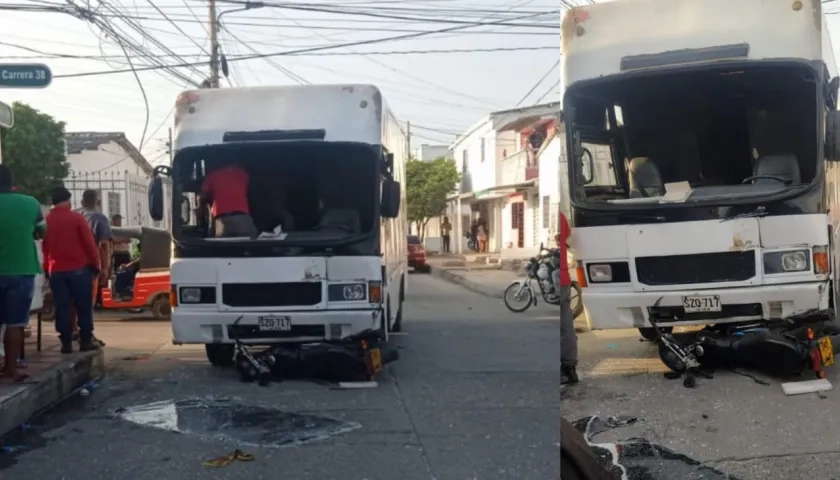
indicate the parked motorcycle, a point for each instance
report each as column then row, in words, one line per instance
column 519, row 296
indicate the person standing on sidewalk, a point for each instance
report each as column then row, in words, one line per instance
column 563, row 287
column 101, row 228
column 445, row 232
column 22, row 221
column 72, row 264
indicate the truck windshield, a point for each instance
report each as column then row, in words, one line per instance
column 705, row 135
column 296, row 192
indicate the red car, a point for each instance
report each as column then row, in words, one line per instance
column 416, row 254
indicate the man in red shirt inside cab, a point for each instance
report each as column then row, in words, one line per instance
column 563, row 289
column 225, row 188
column 71, row 263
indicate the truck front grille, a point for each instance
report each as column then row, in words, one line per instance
column 271, row 294
column 699, row 268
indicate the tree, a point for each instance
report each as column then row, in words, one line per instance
column 33, row 149
column 427, row 186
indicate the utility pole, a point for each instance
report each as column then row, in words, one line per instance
column 408, row 139
column 214, row 46
column 169, row 146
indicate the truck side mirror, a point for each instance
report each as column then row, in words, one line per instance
column 390, row 203
column 832, row 136
column 156, row 199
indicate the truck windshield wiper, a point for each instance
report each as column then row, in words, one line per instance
column 639, row 216
column 758, row 212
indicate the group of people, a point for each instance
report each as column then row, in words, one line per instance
column 76, row 247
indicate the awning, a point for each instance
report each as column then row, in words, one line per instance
column 492, row 193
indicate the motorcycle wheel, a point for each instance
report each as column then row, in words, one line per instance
column 576, row 300
column 518, row 292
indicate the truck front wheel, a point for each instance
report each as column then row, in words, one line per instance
column 219, row 355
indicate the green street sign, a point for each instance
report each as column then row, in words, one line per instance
column 7, row 115
column 24, row 75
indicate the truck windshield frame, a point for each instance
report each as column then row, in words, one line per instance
column 579, row 133
column 186, row 180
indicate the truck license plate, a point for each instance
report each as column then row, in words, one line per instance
column 827, row 351
column 274, row 324
column 701, row 303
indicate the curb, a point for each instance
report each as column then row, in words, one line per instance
column 48, row 387
column 580, row 322
column 468, row 284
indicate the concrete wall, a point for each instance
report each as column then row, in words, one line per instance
column 121, row 181
column 427, row 153
column 476, row 160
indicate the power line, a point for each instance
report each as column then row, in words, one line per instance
column 539, row 82
column 47, row 55
column 290, row 52
column 550, row 90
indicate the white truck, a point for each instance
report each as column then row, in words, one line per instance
column 338, row 154
column 721, row 119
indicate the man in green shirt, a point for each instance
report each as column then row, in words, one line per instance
column 22, row 220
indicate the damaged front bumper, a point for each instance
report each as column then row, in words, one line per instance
column 210, row 327
column 631, row 309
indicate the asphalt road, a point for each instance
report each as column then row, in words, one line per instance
column 732, row 423
column 474, row 397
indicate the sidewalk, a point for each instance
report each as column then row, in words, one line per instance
column 488, row 280
column 52, row 377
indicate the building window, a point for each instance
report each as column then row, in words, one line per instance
column 114, row 206
column 482, row 150
column 546, row 211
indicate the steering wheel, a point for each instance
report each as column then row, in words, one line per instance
column 767, row 177
column 336, row 226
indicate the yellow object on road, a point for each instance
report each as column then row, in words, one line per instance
column 229, row 458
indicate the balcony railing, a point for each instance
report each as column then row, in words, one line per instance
column 516, row 168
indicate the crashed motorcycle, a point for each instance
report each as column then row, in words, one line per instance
column 519, row 296
column 783, row 348
column 354, row 358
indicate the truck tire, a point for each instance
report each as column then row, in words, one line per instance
column 397, row 325
column 160, row 307
column 219, row 355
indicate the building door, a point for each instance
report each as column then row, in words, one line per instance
column 517, row 221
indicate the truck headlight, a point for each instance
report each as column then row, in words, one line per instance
column 600, row 273
column 197, row 295
column 787, row 262
column 347, row 292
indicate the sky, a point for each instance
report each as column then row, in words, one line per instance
column 441, row 91
column 441, row 83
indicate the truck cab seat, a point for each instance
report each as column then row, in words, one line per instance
column 644, row 178
column 784, row 165
column 342, row 218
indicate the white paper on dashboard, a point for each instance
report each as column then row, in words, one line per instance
column 676, row 192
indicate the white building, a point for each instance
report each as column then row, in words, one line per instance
column 427, row 153
column 500, row 179
column 110, row 163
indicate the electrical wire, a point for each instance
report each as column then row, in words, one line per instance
column 549, row 91
column 290, row 52
column 539, row 82
column 47, row 55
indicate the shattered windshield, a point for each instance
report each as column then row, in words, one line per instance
column 694, row 135
column 286, row 193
